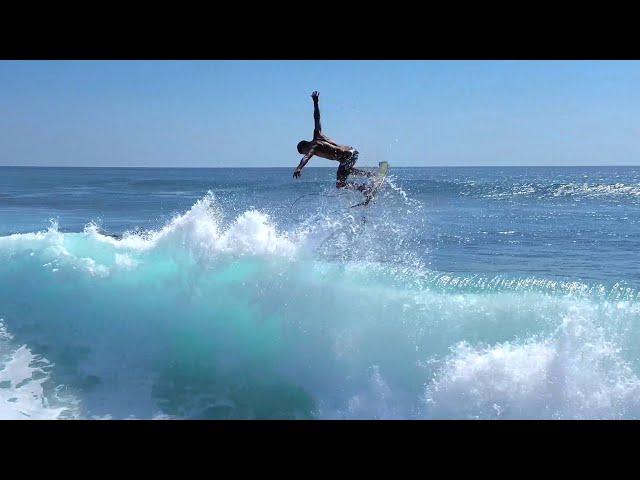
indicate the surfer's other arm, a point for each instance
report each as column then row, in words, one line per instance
column 317, row 129
column 303, row 162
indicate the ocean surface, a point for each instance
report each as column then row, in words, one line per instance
column 467, row 293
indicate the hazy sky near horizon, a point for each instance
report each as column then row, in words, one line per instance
column 253, row 113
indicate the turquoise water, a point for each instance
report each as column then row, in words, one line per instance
column 241, row 293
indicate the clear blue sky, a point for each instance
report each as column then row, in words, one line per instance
column 253, row 113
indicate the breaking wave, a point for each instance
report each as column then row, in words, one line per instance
column 216, row 317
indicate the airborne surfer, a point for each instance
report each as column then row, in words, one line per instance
column 323, row 146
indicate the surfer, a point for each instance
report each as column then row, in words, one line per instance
column 323, row 146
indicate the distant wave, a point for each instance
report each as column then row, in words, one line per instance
column 613, row 191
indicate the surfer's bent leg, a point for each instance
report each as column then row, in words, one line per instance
column 345, row 169
column 343, row 172
column 357, row 171
column 361, row 187
column 341, row 182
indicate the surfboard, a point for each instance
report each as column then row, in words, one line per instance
column 383, row 168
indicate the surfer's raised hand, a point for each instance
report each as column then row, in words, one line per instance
column 316, row 96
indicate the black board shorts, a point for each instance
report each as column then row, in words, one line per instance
column 345, row 167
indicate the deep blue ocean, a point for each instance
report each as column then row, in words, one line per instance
column 496, row 292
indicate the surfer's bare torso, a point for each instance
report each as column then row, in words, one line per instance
column 324, row 147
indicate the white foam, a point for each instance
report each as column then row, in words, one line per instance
column 574, row 374
column 598, row 190
column 200, row 230
column 125, row 261
column 22, row 375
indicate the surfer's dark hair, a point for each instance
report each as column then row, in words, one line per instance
column 303, row 146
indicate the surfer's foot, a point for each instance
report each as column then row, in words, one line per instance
column 366, row 191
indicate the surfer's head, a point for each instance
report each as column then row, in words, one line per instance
column 303, row 147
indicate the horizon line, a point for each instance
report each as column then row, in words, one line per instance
column 293, row 167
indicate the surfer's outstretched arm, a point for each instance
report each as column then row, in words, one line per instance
column 302, row 163
column 317, row 130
